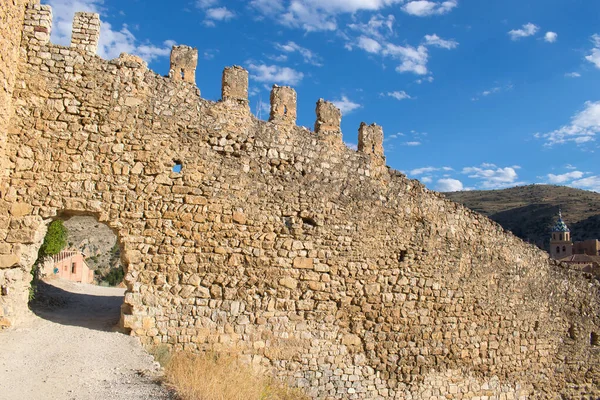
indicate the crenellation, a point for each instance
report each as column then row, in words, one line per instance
column 235, row 84
column 283, row 105
column 329, row 120
column 370, row 140
column 86, row 31
column 37, row 26
column 184, row 60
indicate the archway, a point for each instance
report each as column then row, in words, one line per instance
column 79, row 281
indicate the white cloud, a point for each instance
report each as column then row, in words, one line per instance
column 551, row 37
column 589, row 183
column 315, row 15
column 275, row 74
column 219, row 14
column 412, row 144
column 352, row 146
column 435, row 40
column 308, row 55
column 528, row 29
column 594, row 58
column 427, row 79
column 378, row 26
column 583, row 128
column 426, row 170
column 426, row 179
column 491, row 91
column 569, row 176
column 112, row 42
column 345, row 105
column 213, row 13
column 449, row 185
column 493, row 177
column 369, row 45
column 398, row 95
column 413, row 59
column 573, row 75
column 570, row 167
column 425, row 8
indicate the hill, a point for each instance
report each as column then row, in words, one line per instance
column 530, row 211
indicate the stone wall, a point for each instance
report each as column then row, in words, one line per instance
column 11, row 16
column 280, row 244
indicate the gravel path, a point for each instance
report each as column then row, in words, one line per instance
column 71, row 351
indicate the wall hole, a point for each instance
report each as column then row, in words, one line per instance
column 594, row 339
column 402, row 256
column 572, row 332
column 536, row 326
column 285, row 110
column 182, row 72
column 309, row 221
column 177, row 166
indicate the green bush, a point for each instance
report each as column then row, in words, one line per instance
column 55, row 240
column 115, row 276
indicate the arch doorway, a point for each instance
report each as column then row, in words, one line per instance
column 78, row 276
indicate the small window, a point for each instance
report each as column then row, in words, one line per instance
column 572, row 333
column 558, row 249
column 177, row 167
column 73, row 268
column 284, row 110
column 65, row 268
column 594, row 340
column 564, row 249
column 402, row 256
column 182, row 73
column 561, row 236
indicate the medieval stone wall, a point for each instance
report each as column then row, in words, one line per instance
column 11, row 26
column 282, row 245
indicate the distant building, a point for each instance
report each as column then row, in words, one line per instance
column 69, row 265
column 582, row 255
column 560, row 243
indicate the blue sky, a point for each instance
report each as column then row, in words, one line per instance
column 471, row 94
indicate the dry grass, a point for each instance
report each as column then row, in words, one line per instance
column 215, row 377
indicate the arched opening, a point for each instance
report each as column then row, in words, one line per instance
column 557, row 249
column 78, row 277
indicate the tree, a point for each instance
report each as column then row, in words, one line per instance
column 55, row 240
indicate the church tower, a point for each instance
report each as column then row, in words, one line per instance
column 560, row 243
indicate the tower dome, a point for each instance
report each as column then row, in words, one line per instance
column 560, row 225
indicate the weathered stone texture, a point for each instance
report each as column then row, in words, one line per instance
column 14, row 279
column 86, row 31
column 234, row 85
column 283, row 105
column 329, row 120
column 184, row 61
column 318, row 262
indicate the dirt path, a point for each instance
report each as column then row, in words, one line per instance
column 70, row 351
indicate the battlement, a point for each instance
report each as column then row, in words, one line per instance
column 37, row 26
column 329, row 120
column 283, row 105
column 86, row 31
column 235, row 84
column 370, row 140
column 184, row 60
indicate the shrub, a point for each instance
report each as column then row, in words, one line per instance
column 55, row 240
column 115, row 276
column 219, row 377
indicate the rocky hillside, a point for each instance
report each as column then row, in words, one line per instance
column 95, row 240
column 530, row 211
